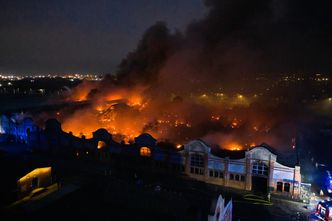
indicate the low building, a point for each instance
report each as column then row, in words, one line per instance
column 37, row 178
column 19, row 127
column 258, row 170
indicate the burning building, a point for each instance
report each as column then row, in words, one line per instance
column 256, row 168
column 183, row 86
column 197, row 84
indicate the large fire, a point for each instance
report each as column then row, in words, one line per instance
column 183, row 86
column 118, row 120
column 233, row 147
column 128, row 112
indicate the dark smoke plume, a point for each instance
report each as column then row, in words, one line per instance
column 175, row 73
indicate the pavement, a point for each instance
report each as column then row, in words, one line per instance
column 289, row 209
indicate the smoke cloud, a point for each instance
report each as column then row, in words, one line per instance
column 203, row 83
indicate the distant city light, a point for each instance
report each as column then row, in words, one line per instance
column 70, row 76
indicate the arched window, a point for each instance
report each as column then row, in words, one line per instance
column 28, row 131
column 259, row 168
column 145, row 152
column 237, row 177
column 286, row 187
column 101, row 145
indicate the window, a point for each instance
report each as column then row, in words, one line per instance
column 216, row 174
column 286, row 187
column 197, row 160
column 34, row 182
column 259, row 168
column 197, row 163
column 145, row 152
column 243, row 178
column 101, row 144
column 237, row 177
column 279, row 186
column 191, row 170
column 231, row 176
column 322, row 211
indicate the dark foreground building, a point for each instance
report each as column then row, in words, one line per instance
column 255, row 169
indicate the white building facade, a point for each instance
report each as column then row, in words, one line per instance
column 257, row 171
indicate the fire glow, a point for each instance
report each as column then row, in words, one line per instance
column 233, row 147
column 128, row 113
column 177, row 89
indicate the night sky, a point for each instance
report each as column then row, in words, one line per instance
column 62, row 36
column 231, row 36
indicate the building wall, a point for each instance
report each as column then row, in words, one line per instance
column 206, row 167
column 239, row 173
column 40, row 177
column 22, row 129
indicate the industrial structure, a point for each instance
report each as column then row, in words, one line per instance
column 254, row 169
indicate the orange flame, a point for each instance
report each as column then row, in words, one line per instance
column 233, row 146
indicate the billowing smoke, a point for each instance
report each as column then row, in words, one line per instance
column 203, row 83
